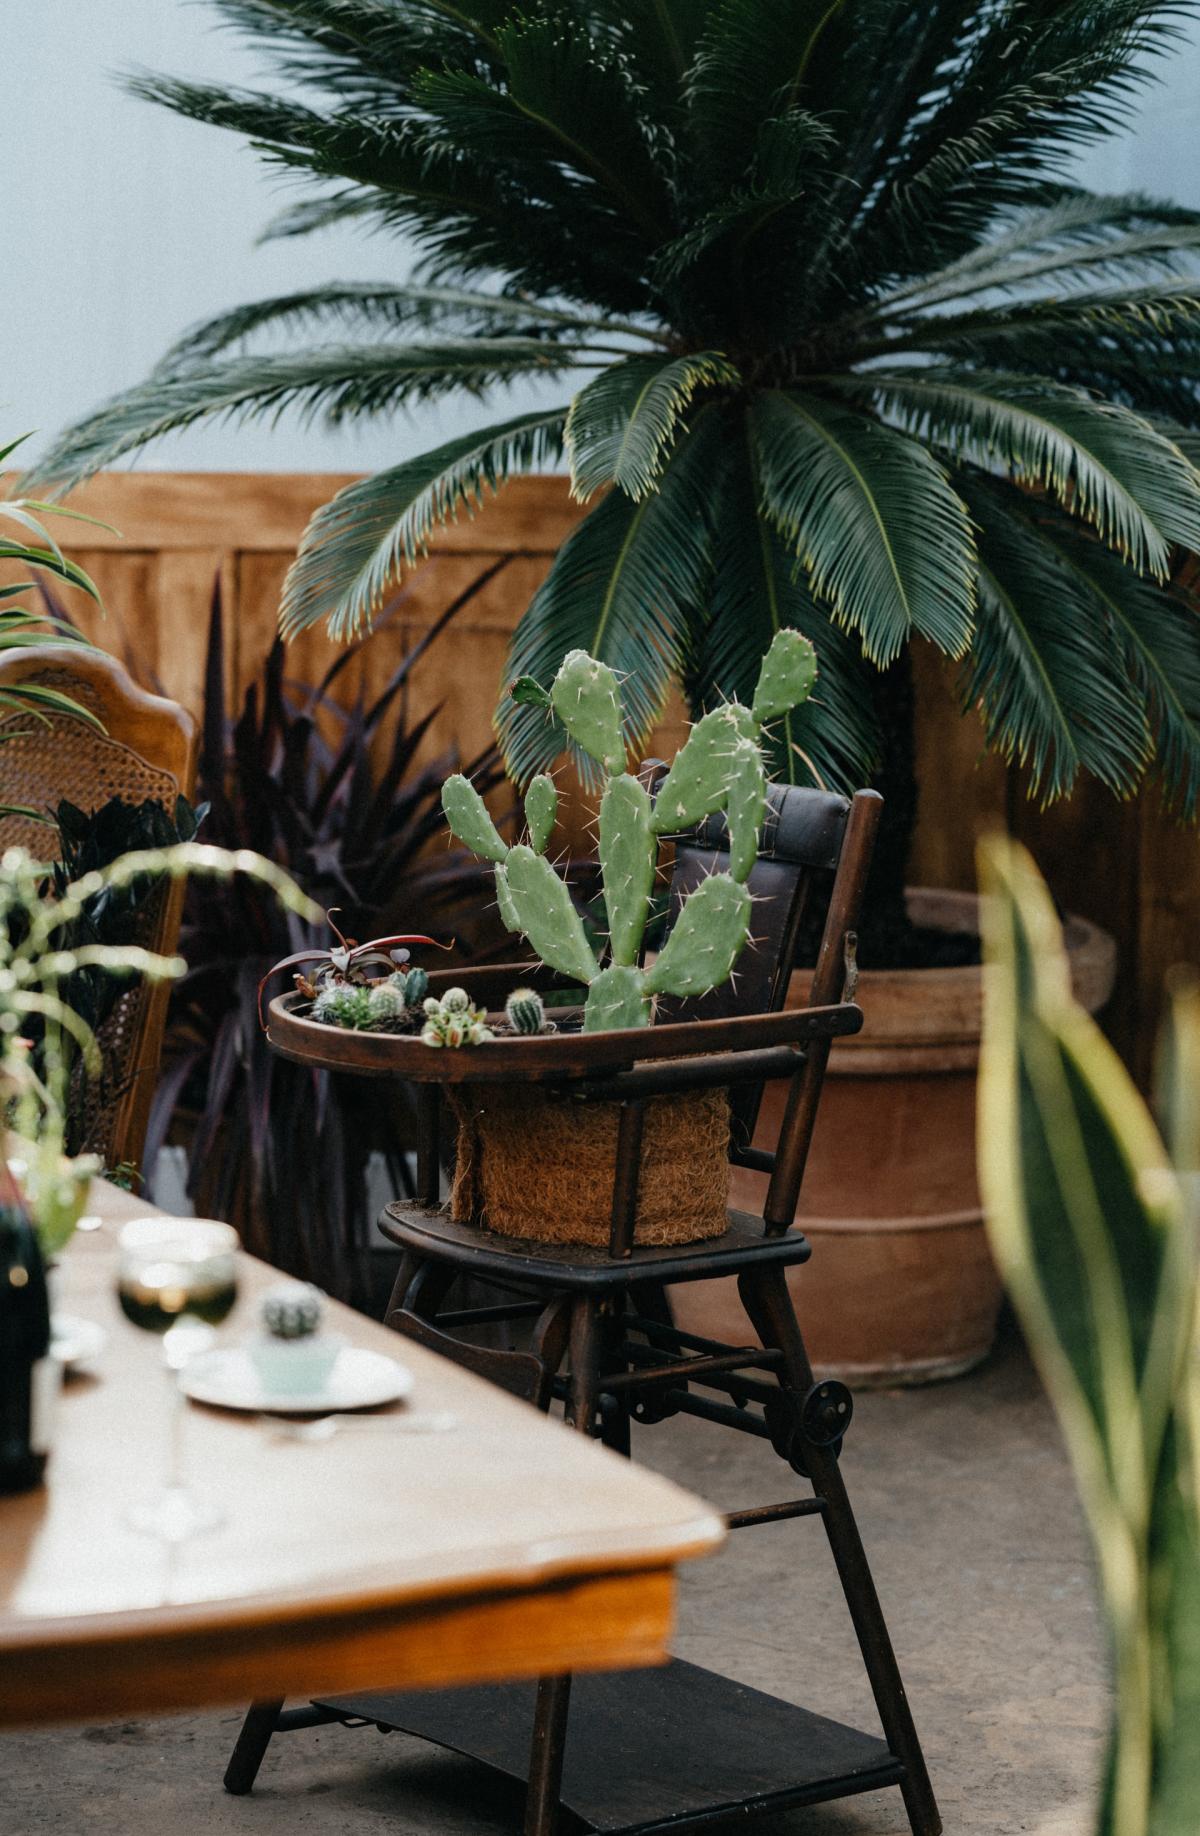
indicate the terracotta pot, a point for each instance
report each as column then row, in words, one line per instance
column 901, row 1286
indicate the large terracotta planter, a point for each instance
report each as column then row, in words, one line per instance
column 901, row 1286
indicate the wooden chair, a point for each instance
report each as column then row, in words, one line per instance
column 146, row 749
column 678, row 1747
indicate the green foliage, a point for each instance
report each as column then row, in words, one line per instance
column 1093, row 1223
column 719, row 767
column 851, row 350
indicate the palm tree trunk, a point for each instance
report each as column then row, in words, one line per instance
column 887, row 937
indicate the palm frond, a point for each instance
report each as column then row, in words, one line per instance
column 1110, row 466
column 755, row 60
column 355, row 546
column 1041, row 669
column 1155, row 632
column 567, row 101
column 367, row 50
column 758, row 589
column 335, row 382
column 659, row 37
column 621, row 426
column 624, row 587
column 882, row 535
column 380, row 305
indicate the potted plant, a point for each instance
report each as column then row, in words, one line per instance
column 565, row 1194
column 846, row 349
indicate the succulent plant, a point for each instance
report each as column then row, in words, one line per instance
column 343, row 1004
column 526, row 1011
column 718, row 768
column 416, row 986
column 385, row 1003
column 454, row 1021
column 292, row 1310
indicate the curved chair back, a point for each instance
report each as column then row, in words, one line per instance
column 147, row 749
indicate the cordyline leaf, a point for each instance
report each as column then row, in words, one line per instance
column 621, row 427
column 880, row 531
column 356, row 544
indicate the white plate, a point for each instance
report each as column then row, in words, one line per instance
column 75, row 1342
column 228, row 1379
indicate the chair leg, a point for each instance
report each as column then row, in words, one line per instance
column 554, row 1693
column 766, row 1299
column 262, row 1718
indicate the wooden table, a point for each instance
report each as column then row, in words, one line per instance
column 506, row 1547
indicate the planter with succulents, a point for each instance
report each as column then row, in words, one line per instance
column 530, row 1161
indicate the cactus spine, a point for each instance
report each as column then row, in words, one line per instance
column 719, row 767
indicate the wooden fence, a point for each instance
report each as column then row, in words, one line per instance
column 1128, row 866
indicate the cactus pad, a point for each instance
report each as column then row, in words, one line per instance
column 696, row 784
column 586, row 699
column 745, row 807
column 466, row 812
column 541, row 807
column 627, row 856
column 706, row 941
column 616, row 998
column 546, row 915
column 504, row 902
column 788, row 672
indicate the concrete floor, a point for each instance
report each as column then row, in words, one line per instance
column 969, row 1516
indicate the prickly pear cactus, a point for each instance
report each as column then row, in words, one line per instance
column 719, row 768
column 526, row 1011
column 541, row 807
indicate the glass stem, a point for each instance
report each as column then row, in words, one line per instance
column 175, row 1432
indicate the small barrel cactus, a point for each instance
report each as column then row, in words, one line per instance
column 526, row 1011
column 386, row 1003
column 416, row 987
column 718, row 768
column 292, row 1310
column 454, row 1021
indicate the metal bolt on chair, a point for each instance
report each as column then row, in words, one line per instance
column 677, row 1748
column 145, row 748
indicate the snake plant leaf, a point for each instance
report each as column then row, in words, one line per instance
column 1090, row 1228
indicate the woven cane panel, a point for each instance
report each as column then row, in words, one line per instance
column 42, row 762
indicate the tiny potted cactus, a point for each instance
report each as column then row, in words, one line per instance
column 341, row 992
column 719, row 768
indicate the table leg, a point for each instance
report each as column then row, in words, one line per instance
column 262, row 1719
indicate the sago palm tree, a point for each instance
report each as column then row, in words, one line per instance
column 842, row 345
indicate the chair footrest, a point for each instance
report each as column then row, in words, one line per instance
column 647, row 1749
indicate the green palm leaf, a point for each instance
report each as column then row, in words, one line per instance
column 881, row 533
column 379, row 304
column 338, row 382
column 623, row 587
column 1041, row 669
column 757, row 590
column 621, row 427
column 355, row 545
column 1135, row 487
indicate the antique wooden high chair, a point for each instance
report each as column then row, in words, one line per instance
column 680, row 1747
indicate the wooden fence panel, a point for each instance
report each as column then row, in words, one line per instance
column 1128, row 866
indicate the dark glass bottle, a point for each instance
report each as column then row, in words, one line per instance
column 29, row 1377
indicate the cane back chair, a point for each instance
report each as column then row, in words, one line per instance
column 679, row 1747
column 144, row 747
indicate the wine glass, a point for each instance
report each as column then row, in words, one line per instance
column 176, row 1277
